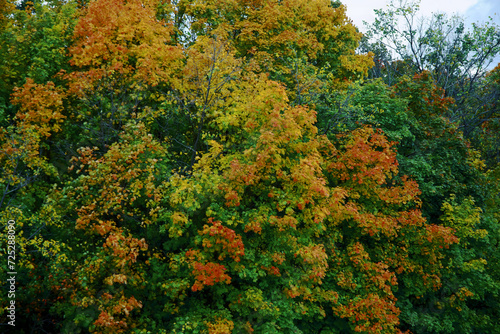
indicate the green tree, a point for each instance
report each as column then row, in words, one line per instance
column 458, row 57
column 33, row 45
column 455, row 192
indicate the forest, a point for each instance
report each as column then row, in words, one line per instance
column 247, row 166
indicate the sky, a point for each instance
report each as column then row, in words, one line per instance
column 472, row 10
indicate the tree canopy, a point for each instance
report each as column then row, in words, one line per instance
column 242, row 167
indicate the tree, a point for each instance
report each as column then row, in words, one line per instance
column 488, row 110
column 26, row 176
column 203, row 198
column 120, row 53
column 277, row 34
column 457, row 58
column 270, row 236
column 455, row 192
column 33, row 46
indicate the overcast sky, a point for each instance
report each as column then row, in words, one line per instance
column 473, row 10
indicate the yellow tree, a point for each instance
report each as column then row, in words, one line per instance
column 279, row 35
column 122, row 53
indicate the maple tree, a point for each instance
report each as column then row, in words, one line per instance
column 452, row 178
column 121, row 54
column 33, row 44
column 26, row 170
column 261, row 231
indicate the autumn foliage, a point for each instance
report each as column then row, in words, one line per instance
column 185, row 185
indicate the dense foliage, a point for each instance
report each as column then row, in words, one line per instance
column 236, row 167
